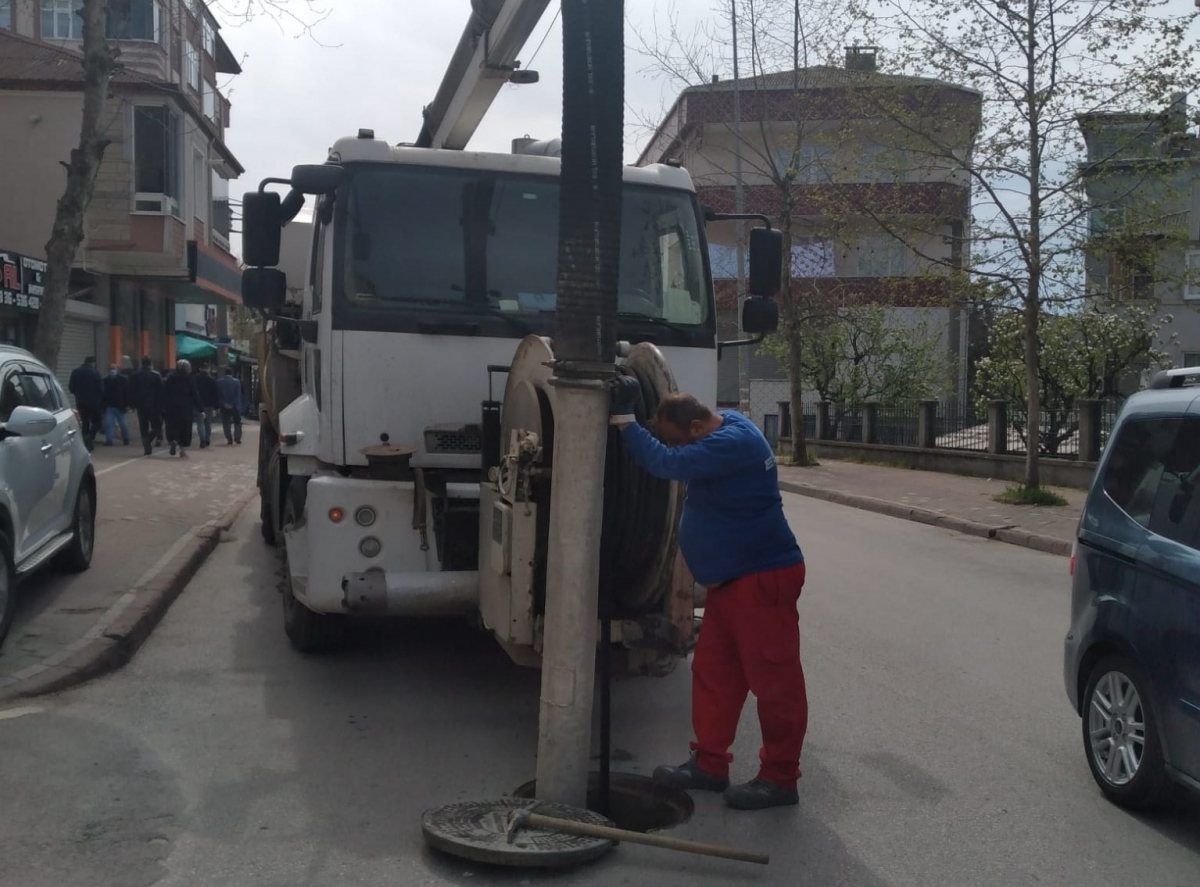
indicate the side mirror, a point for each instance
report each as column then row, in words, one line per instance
column 30, row 422
column 316, row 178
column 766, row 262
column 264, row 289
column 760, row 317
column 262, row 225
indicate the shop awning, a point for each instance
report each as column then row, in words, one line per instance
column 193, row 348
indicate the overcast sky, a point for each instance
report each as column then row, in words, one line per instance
column 376, row 63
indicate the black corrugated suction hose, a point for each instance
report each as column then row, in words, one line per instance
column 636, row 519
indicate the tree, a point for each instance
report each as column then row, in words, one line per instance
column 854, row 355
column 101, row 59
column 1084, row 354
column 1040, row 66
column 770, row 148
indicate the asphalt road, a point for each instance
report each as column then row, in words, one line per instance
column 941, row 750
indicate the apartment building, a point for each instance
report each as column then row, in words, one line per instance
column 156, row 245
column 878, row 217
column 1142, row 177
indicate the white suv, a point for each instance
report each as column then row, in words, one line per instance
column 47, row 483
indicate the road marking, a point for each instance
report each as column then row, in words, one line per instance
column 119, row 465
column 12, row 713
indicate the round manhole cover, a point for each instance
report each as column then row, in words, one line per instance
column 478, row 830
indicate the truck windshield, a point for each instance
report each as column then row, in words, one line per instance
column 435, row 242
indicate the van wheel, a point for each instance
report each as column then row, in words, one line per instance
column 78, row 555
column 308, row 631
column 8, row 587
column 1120, row 735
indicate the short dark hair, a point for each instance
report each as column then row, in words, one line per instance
column 147, row 361
column 229, row 371
column 89, row 360
column 681, row 410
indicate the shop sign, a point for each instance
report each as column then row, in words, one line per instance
column 21, row 281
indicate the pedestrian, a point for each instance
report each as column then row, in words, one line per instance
column 116, row 405
column 180, row 403
column 206, row 388
column 232, row 405
column 737, row 542
column 146, row 395
column 85, row 383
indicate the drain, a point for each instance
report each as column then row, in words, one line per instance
column 636, row 803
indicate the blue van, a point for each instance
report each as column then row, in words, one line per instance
column 1132, row 655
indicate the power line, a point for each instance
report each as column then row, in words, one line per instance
column 557, row 13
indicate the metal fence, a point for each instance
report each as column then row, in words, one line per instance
column 959, row 426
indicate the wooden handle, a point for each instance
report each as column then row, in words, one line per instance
column 551, row 824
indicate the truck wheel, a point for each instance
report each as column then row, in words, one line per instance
column 308, row 631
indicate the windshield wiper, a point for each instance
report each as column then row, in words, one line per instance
column 657, row 321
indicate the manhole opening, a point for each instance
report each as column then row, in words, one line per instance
column 636, row 803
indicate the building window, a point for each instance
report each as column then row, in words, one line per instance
column 813, row 162
column 881, row 163
column 192, row 66
column 222, row 218
column 1191, row 359
column 140, row 20
column 1191, row 289
column 200, row 176
column 210, row 101
column 210, row 38
column 882, row 255
column 5, row 13
column 156, row 159
column 61, row 20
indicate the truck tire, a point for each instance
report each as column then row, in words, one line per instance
column 306, row 630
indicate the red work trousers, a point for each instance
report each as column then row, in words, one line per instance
column 750, row 642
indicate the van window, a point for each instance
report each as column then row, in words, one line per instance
column 1153, row 473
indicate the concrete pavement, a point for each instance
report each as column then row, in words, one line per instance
column 963, row 504
column 157, row 518
column 941, row 751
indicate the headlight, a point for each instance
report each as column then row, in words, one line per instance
column 370, row 547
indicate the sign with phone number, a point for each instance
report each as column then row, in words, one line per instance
column 21, row 281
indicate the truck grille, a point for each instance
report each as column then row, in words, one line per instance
column 454, row 439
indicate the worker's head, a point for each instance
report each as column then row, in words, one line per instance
column 89, row 361
column 228, row 371
column 148, row 361
column 113, row 369
column 682, row 419
column 184, row 366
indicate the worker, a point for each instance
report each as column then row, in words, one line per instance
column 736, row 542
column 146, row 395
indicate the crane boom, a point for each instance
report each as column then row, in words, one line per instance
column 483, row 61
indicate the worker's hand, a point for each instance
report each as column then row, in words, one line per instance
column 624, row 396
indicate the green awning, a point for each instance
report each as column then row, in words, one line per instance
column 192, row 348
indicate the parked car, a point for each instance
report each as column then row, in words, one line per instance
column 1132, row 655
column 47, row 483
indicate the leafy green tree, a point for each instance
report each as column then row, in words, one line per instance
column 853, row 355
column 1084, row 354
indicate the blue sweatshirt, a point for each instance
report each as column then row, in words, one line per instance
column 732, row 523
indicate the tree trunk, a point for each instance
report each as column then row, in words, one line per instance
column 1033, row 295
column 791, row 330
column 67, row 233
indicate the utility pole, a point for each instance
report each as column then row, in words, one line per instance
column 743, row 354
column 585, row 351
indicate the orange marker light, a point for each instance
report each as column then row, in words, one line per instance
column 336, row 515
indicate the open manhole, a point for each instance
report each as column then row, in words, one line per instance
column 636, row 803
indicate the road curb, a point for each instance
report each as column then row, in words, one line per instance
column 1010, row 535
column 112, row 642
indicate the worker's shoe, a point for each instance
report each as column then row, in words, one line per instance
column 758, row 794
column 690, row 777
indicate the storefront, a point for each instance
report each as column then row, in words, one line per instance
column 20, row 298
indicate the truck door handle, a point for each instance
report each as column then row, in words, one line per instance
column 46, row 448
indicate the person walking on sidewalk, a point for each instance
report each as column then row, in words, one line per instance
column 737, row 542
column 180, row 404
column 116, row 405
column 146, row 395
column 85, row 383
column 232, row 404
column 206, row 388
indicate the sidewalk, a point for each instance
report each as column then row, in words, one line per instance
column 157, row 519
column 962, row 504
